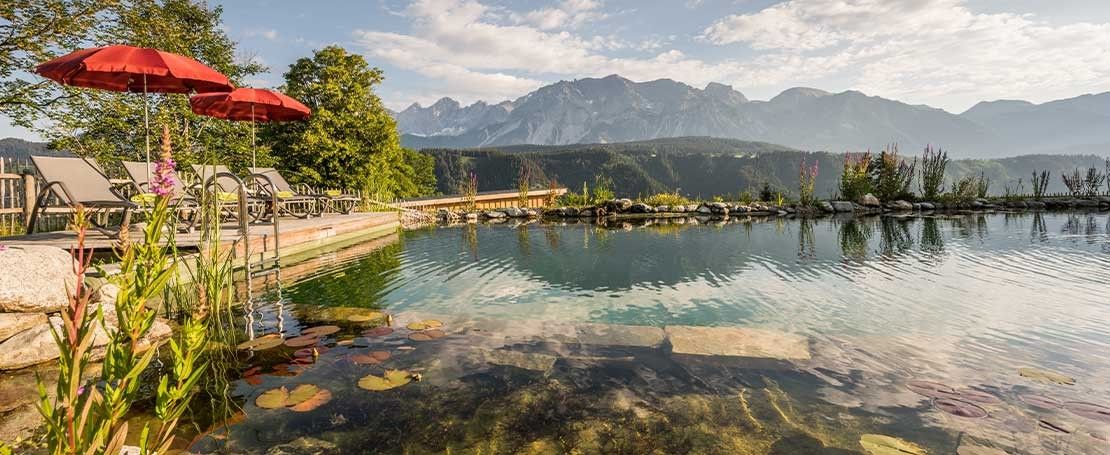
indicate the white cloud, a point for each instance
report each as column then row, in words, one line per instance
column 267, row 33
column 569, row 13
column 930, row 50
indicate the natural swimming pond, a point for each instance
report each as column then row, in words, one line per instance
column 970, row 334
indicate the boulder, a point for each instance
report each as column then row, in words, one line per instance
column 1086, row 203
column 640, row 207
column 495, row 214
column 704, row 209
column 570, row 212
column 679, row 209
column 514, row 212
column 663, row 208
column 14, row 323
column 531, row 213
column 900, row 206
column 587, row 212
column 842, row 206
column 927, row 206
column 36, row 345
column 691, row 207
column 869, row 200
column 34, row 279
column 618, row 205
column 471, row 216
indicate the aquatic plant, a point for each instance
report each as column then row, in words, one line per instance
column 933, row 164
column 1045, row 376
column 1093, row 182
column 1040, row 183
column 807, row 181
column 390, row 380
column 523, row 184
column 855, row 177
column 891, row 176
column 1074, row 182
column 964, row 189
column 668, row 199
column 877, row 444
column 468, row 190
column 552, row 194
column 959, row 408
column 1013, row 192
column 89, row 418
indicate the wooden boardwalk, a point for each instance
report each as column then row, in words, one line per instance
column 294, row 236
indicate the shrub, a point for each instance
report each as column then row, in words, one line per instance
column 552, row 196
column 1014, row 192
column 855, row 179
column 670, row 199
column 746, row 197
column 1093, row 182
column 523, row 184
column 603, row 189
column 963, row 190
column 933, row 164
column 1074, row 182
column 807, row 181
column 982, row 185
column 468, row 190
column 891, row 176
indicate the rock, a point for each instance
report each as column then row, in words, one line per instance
column 617, row 205
column 842, row 206
column 679, row 209
column 691, row 208
column 471, row 216
column 36, row 345
column 663, row 208
column 737, row 342
column 20, row 423
column 304, row 446
column 531, row 213
column 1017, row 204
column 640, row 207
column 704, row 209
column 928, row 206
column 900, row 206
column 34, row 279
column 869, row 200
column 495, row 214
column 513, row 212
column 1086, row 203
column 570, row 212
column 588, row 212
column 13, row 323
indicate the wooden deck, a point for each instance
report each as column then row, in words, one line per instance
column 294, row 236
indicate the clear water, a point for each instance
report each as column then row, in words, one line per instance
column 550, row 342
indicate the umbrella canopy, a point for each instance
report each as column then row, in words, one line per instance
column 250, row 105
column 124, row 68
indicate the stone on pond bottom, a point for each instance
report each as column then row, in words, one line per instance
column 737, row 342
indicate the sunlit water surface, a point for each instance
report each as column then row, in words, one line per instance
column 965, row 301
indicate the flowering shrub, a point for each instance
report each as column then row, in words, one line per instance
column 807, row 181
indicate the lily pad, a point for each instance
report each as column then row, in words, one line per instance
column 321, row 398
column 320, row 330
column 366, row 317
column 931, row 389
column 301, row 393
column 377, row 332
column 261, row 343
column 877, row 444
column 313, row 351
column 959, row 408
column 975, row 396
column 302, row 341
column 1089, row 410
column 371, row 358
column 273, row 398
column 424, row 325
column 1041, row 401
column 1045, row 376
column 391, row 379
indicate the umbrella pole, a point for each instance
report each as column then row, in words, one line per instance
column 254, row 159
column 146, row 127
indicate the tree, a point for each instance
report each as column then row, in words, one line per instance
column 350, row 141
column 108, row 125
column 423, row 175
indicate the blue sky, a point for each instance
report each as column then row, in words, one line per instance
column 945, row 53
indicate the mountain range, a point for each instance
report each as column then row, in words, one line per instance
column 616, row 109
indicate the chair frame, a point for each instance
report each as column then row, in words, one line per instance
column 68, row 198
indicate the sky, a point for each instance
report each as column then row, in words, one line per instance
column 945, row 53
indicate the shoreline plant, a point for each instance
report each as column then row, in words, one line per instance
column 1040, row 183
column 89, row 417
column 855, row 178
column 523, row 184
column 807, row 181
column 933, row 164
column 891, row 176
column 468, row 189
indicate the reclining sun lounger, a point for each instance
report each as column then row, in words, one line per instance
column 224, row 185
column 185, row 203
column 328, row 200
column 77, row 181
column 290, row 202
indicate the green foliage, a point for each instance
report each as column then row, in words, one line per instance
column 746, row 197
column 891, row 176
column 602, row 191
column 422, row 181
column 855, row 178
column 933, row 164
column 468, row 189
column 351, row 140
column 523, row 184
column 669, row 199
column 982, row 186
column 108, row 125
column 964, row 189
column 1040, row 183
column 1015, row 191
column 807, row 181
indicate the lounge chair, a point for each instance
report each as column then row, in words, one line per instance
column 77, row 181
column 269, row 177
column 287, row 200
column 185, row 203
column 225, row 185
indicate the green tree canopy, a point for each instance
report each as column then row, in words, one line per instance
column 109, row 125
column 350, row 141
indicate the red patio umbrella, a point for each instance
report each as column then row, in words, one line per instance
column 250, row 105
column 124, row 68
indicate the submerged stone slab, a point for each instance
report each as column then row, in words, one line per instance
column 737, row 342
column 509, row 331
column 523, row 360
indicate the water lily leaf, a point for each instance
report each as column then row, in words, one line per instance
column 370, row 358
column 391, row 379
column 975, row 396
column 252, row 371
column 321, row 398
column 273, row 398
column 931, row 389
column 261, row 343
column 302, row 361
column 377, row 332
column 285, row 369
column 420, row 336
column 1045, row 376
column 302, row 341
column 253, row 379
column 978, row 450
column 301, row 393
column 425, row 325
column 1089, row 410
column 320, row 330
column 366, row 317
column 313, row 351
column 1041, row 401
column 427, row 335
column 959, row 408
column 877, row 444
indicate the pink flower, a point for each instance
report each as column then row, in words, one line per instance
column 163, row 181
column 3, row 247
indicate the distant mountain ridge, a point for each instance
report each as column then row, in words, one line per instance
column 615, row 109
